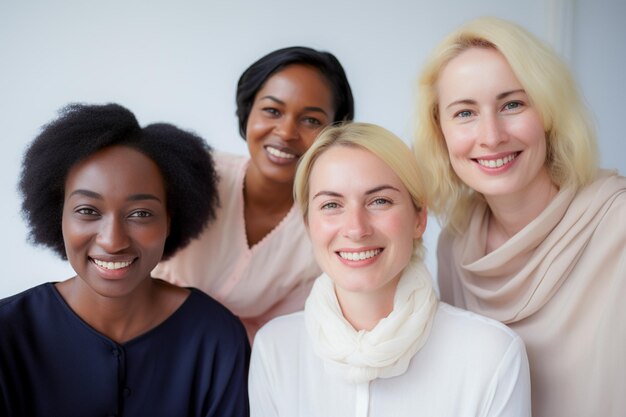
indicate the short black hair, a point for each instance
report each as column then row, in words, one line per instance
column 253, row 79
column 81, row 130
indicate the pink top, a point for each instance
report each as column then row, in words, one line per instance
column 271, row 278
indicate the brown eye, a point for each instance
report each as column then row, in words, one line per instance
column 141, row 213
column 312, row 121
column 86, row 211
column 271, row 111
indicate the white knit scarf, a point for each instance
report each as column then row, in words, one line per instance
column 386, row 350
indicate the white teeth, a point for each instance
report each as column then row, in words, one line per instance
column 279, row 154
column 359, row 256
column 112, row 265
column 496, row 163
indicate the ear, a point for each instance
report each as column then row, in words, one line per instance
column 422, row 220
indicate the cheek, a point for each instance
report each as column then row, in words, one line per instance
column 321, row 230
column 401, row 229
column 153, row 238
column 459, row 139
column 251, row 128
column 74, row 236
column 309, row 136
column 534, row 134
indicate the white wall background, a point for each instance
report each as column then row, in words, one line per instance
column 179, row 62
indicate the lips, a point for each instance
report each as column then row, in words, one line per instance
column 112, row 266
column 497, row 162
column 281, row 152
column 359, row 255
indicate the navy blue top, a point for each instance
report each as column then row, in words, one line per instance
column 53, row 364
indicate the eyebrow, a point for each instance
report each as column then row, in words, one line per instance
column 368, row 192
column 133, row 197
column 498, row 97
column 308, row 108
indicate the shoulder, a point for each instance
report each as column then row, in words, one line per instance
column 283, row 333
column 280, row 345
column 476, row 334
column 608, row 187
column 282, row 327
column 601, row 203
column 226, row 163
column 209, row 316
column 24, row 301
column 25, row 316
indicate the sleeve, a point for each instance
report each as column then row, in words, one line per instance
column 261, row 382
column 232, row 398
column 508, row 393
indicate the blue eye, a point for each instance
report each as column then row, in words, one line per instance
column 463, row 114
column 329, row 206
column 512, row 105
column 381, row 201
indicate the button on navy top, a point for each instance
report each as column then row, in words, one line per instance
column 53, row 364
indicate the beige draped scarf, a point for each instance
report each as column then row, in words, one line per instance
column 561, row 284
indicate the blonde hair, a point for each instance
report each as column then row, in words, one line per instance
column 571, row 141
column 375, row 139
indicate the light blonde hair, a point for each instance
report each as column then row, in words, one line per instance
column 375, row 139
column 572, row 156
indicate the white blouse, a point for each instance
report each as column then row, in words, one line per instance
column 470, row 366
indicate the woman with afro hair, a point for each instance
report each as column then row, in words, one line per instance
column 114, row 199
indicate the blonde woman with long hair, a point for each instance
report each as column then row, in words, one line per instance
column 534, row 233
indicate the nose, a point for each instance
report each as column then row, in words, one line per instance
column 357, row 225
column 492, row 131
column 287, row 128
column 112, row 236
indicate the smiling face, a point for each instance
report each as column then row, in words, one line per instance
column 115, row 220
column 495, row 137
column 361, row 221
column 286, row 116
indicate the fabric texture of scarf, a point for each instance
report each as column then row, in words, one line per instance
column 520, row 277
column 560, row 283
column 386, row 350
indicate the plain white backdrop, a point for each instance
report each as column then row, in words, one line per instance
column 179, row 62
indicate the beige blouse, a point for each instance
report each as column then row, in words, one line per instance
column 560, row 283
column 257, row 283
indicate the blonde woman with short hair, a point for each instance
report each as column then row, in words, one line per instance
column 534, row 233
column 373, row 340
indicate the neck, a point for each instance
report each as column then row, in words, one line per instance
column 262, row 192
column 365, row 310
column 118, row 318
column 511, row 213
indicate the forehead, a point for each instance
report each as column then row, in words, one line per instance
column 297, row 80
column 116, row 170
column 476, row 69
column 351, row 169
